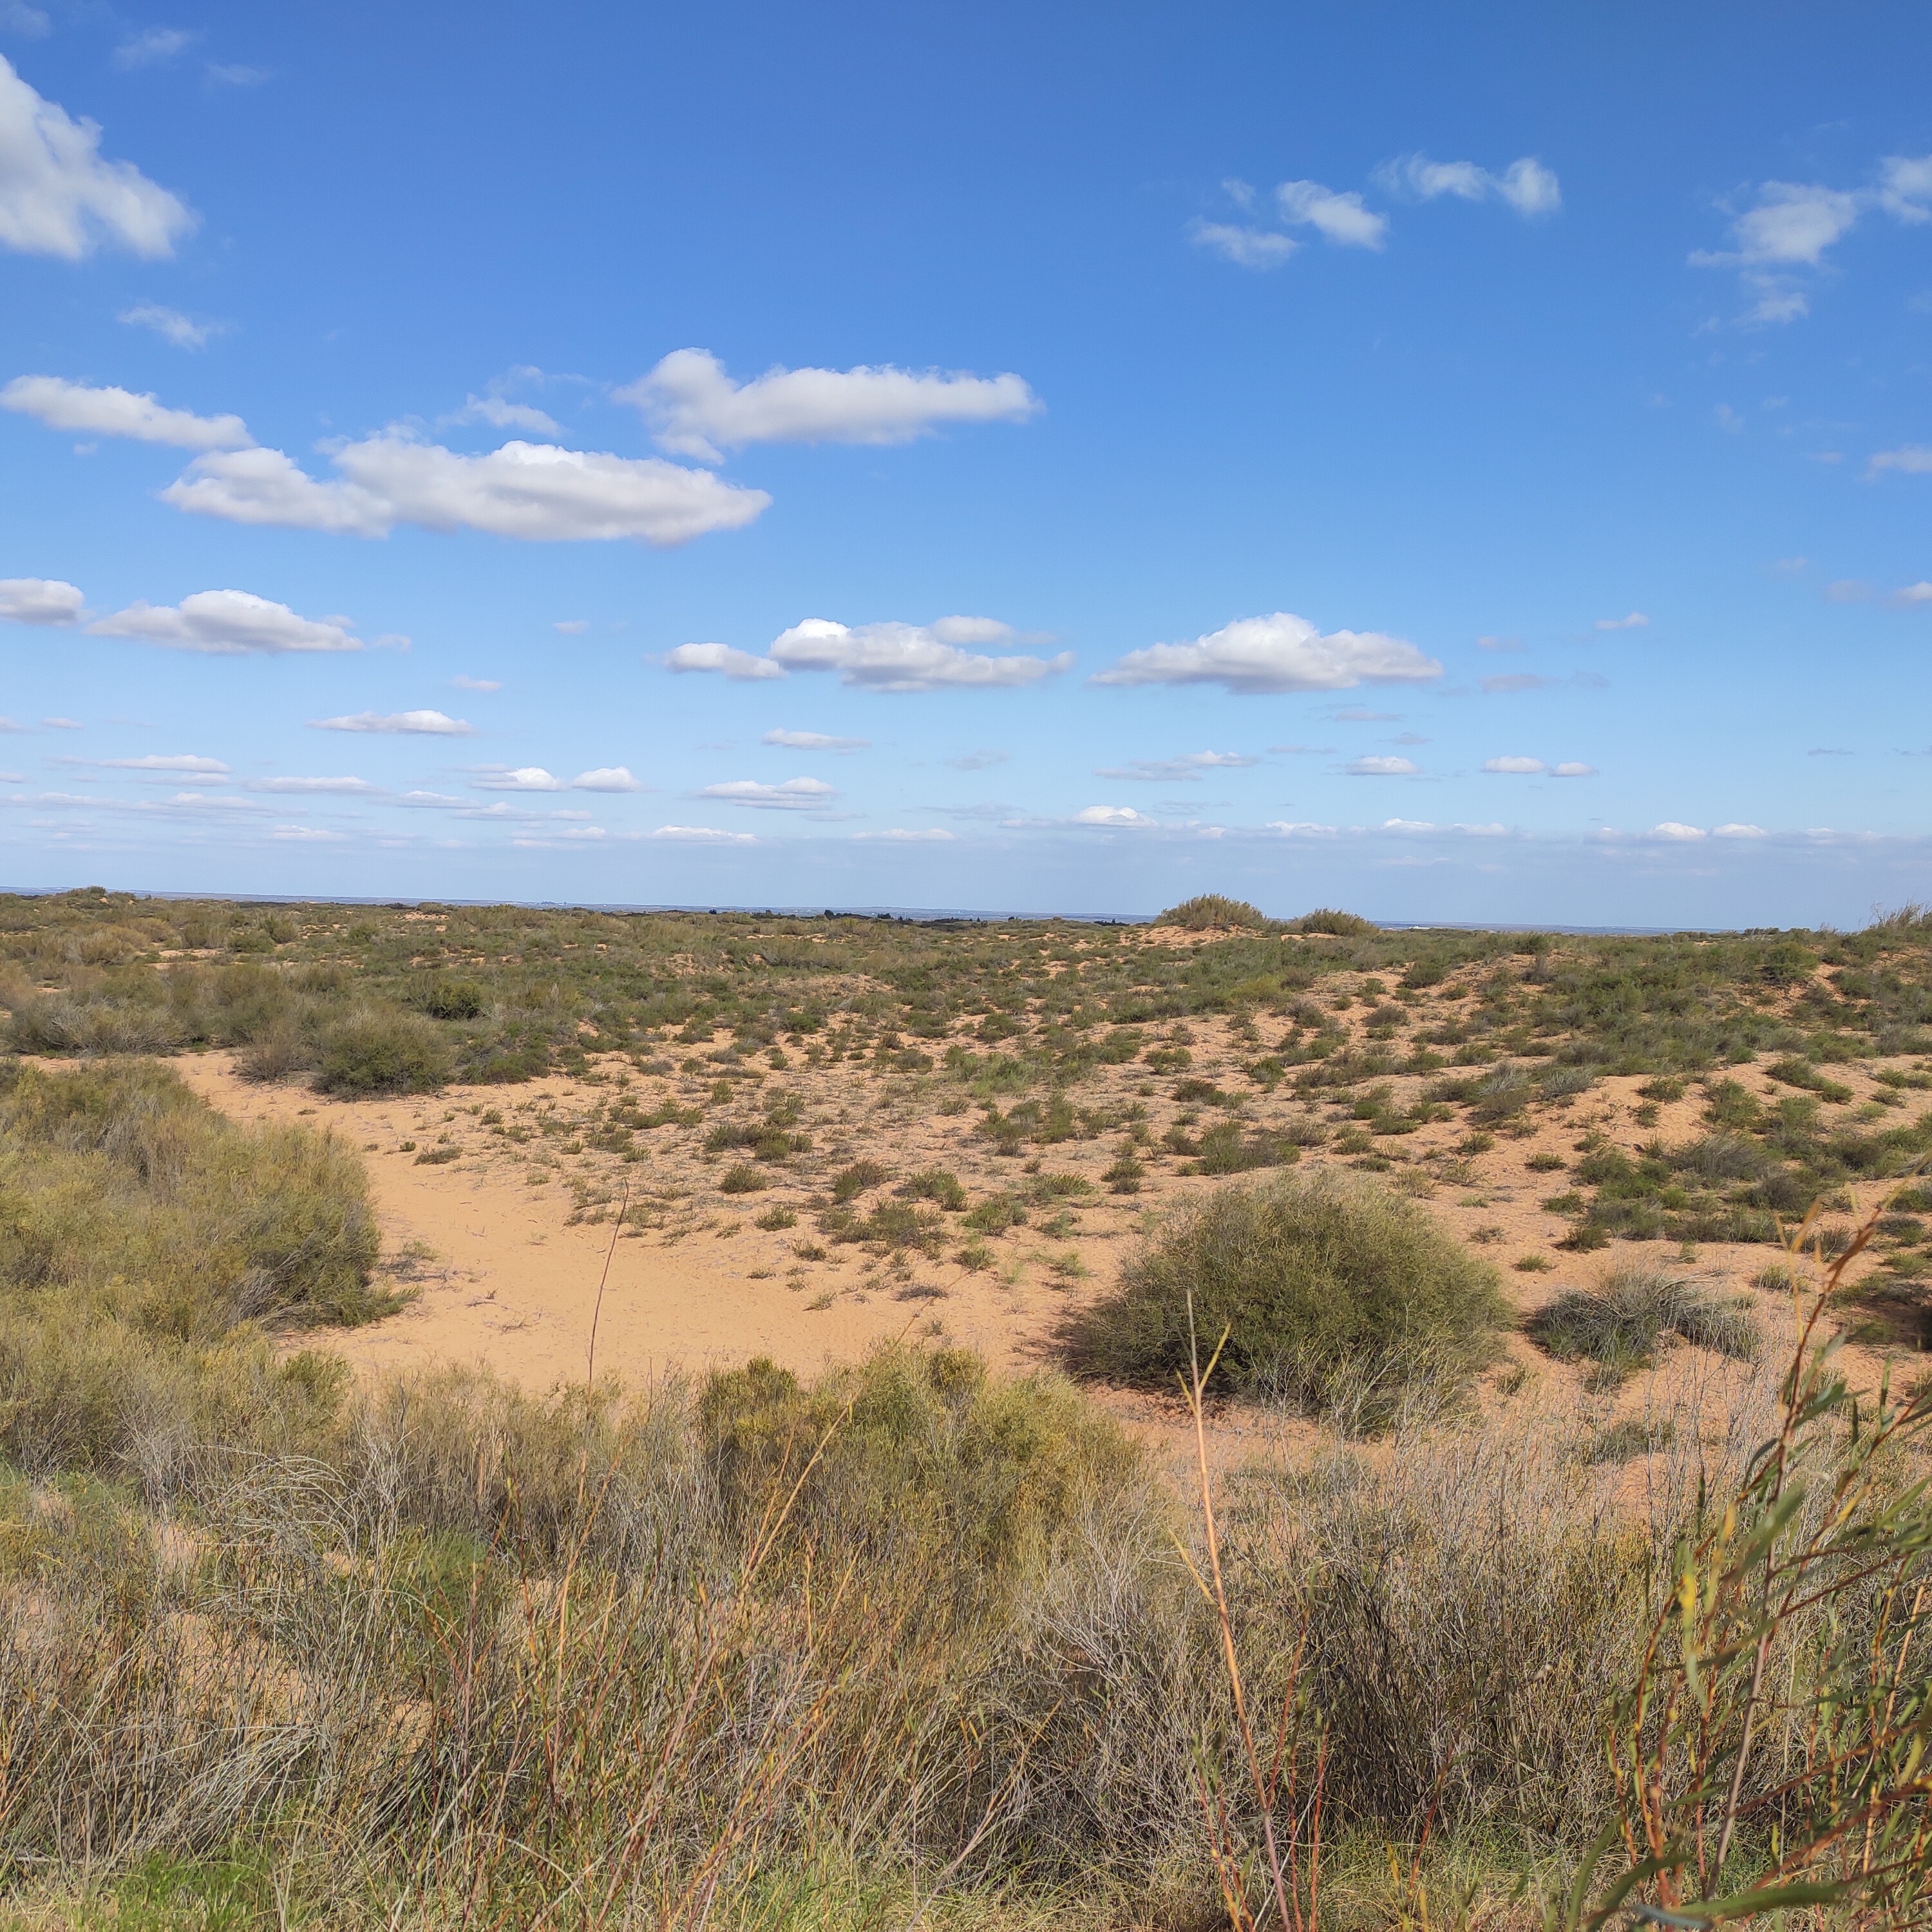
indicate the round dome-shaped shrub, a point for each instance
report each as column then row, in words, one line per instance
column 1330, row 1289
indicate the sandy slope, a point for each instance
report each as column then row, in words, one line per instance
column 510, row 1282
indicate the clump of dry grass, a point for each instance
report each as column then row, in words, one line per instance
column 130, row 1196
column 1619, row 1324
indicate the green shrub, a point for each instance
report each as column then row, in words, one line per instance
column 851, row 1182
column 454, row 999
column 995, row 1215
column 1225, row 1149
column 1328, row 1286
column 743, row 1179
column 1206, row 912
column 374, row 1052
column 1341, row 925
column 937, row 1184
column 1619, row 1324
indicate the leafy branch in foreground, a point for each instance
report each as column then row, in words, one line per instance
column 1772, row 1753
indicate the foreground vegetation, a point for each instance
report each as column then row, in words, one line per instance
column 905, row 1645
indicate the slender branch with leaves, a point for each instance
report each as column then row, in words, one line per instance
column 1772, row 1752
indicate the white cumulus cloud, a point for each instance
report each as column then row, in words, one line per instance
column 911, row 657
column 1573, row 768
column 499, row 412
column 814, row 741
column 1339, row 216
column 1246, row 247
column 1739, row 831
column 319, row 788
column 522, row 777
column 184, row 332
column 1636, row 621
column 431, row 723
column 794, row 795
column 1186, row 769
column 1525, row 185
column 1378, row 766
column 1672, row 829
column 1912, row 459
column 58, row 196
column 61, row 404
column 703, row 834
column 536, row 492
column 1787, row 228
column 1113, row 815
column 606, row 777
column 233, row 622
column 1515, row 766
column 187, row 762
column 1791, row 223
column 40, row 600
column 1276, row 653
column 153, row 47
column 741, row 667
column 698, row 410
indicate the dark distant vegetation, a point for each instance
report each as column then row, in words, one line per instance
column 1493, row 1030
column 1330, row 1289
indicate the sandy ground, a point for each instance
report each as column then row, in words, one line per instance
column 507, row 1274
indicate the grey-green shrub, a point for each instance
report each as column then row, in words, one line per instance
column 1619, row 1324
column 376, row 1052
column 1328, row 1286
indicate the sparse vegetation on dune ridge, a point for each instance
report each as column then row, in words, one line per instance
column 903, row 1641
column 1056, row 1031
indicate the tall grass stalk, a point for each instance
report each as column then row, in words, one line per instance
column 1293, row 1867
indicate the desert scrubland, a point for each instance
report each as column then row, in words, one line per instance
column 545, row 1417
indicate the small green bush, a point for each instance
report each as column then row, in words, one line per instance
column 854, row 1181
column 936, row 1184
column 383, row 1053
column 743, row 1179
column 1329, row 1287
column 119, row 1179
column 1226, row 1150
column 1619, row 1325
column 454, row 999
column 1340, row 925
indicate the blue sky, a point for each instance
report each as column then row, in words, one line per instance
column 1462, row 463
